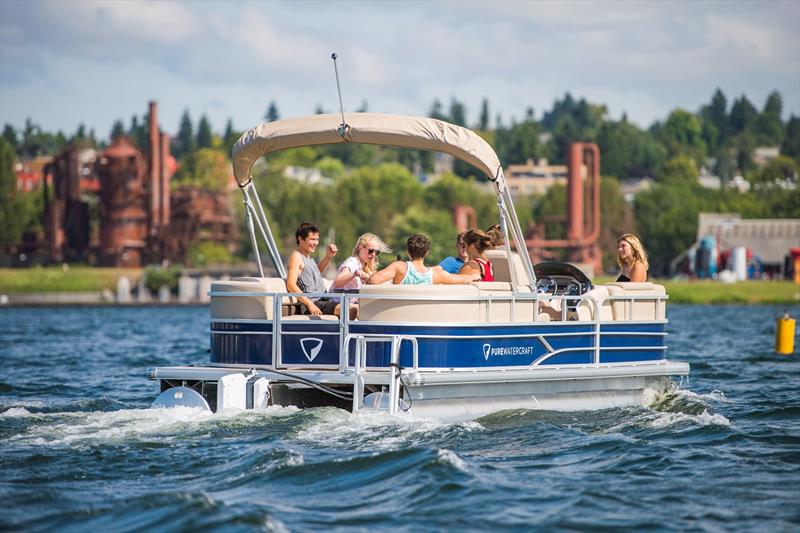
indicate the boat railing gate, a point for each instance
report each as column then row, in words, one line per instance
column 395, row 372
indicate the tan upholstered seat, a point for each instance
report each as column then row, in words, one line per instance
column 251, row 307
column 647, row 305
column 502, row 268
column 418, row 310
column 499, row 309
column 301, row 318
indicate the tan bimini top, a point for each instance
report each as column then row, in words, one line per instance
column 364, row 128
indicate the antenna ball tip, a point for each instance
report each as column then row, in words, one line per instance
column 334, row 56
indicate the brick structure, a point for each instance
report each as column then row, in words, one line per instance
column 123, row 213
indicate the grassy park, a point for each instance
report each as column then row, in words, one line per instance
column 87, row 279
column 61, row 279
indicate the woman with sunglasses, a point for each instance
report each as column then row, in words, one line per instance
column 356, row 269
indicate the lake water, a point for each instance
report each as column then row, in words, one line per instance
column 81, row 451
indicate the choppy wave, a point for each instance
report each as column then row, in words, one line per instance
column 81, row 450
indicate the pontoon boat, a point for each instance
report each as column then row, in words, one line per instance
column 539, row 337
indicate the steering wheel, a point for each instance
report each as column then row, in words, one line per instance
column 546, row 286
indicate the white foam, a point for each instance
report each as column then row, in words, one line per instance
column 273, row 524
column 715, row 395
column 371, row 430
column 79, row 428
column 15, row 411
column 663, row 420
column 450, row 457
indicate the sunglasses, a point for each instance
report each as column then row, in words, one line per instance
column 372, row 251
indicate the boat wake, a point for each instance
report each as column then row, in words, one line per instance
column 77, row 428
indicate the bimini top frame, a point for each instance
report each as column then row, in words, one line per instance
column 371, row 128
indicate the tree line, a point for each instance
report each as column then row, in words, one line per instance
column 718, row 136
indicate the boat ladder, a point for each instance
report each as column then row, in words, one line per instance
column 394, row 368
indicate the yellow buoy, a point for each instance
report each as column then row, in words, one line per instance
column 784, row 335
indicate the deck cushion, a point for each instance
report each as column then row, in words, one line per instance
column 414, row 308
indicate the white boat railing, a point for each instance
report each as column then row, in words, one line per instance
column 568, row 315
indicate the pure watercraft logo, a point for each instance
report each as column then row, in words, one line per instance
column 311, row 347
column 488, row 350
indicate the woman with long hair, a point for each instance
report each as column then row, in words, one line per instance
column 356, row 269
column 478, row 265
column 631, row 258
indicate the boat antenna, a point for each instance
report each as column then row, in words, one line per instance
column 343, row 127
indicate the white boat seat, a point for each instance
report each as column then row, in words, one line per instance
column 598, row 294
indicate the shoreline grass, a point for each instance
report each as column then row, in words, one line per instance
column 59, row 279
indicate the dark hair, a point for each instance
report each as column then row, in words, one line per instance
column 303, row 230
column 495, row 232
column 479, row 239
column 418, row 246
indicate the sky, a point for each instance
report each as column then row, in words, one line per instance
column 67, row 62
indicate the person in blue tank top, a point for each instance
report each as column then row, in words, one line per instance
column 453, row 264
column 415, row 272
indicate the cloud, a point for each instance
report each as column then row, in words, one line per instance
column 643, row 57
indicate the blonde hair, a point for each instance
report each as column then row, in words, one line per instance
column 372, row 266
column 637, row 250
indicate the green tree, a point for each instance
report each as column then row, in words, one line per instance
column 449, row 191
column 521, row 142
column 272, row 113
column 616, row 219
column 117, row 130
column 330, row 167
column 9, row 209
column 205, row 253
column 779, row 172
column 19, row 211
column 666, row 218
column 769, row 127
column 743, row 116
column 204, row 135
column 791, row 141
column 458, row 113
column 680, row 170
column 681, row 135
column 10, row 135
column 715, row 123
column 184, row 141
column 483, row 121
column 205, row 168
column 436, row 224
column 370, row 197
column 230, row 137
column 437, row 110
column 627, row 151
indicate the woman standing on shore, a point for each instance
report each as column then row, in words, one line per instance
column 631, row 258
